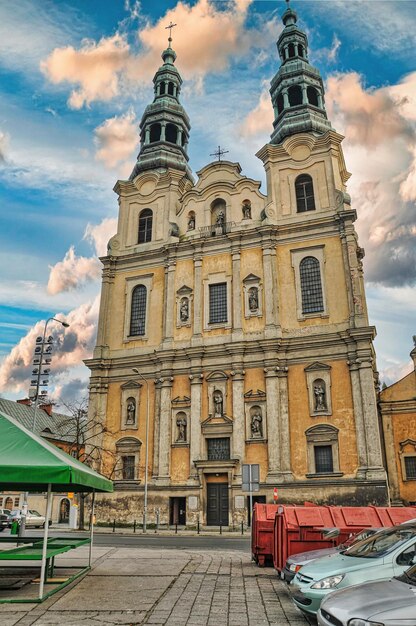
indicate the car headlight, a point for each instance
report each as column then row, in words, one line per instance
column 328, row 583
column 363, row 622
column 293, row 567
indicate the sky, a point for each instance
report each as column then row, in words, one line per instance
column 75, row 77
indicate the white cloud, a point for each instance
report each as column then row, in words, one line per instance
column 4, row 145
column 117, row 139
column 99, row 234
column 72, row 272
column 71, row 346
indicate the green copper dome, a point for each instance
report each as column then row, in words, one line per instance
column 297, row 90
column 165, row 126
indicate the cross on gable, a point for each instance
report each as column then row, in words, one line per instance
column 219, row 152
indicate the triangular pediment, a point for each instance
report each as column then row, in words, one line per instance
column 251, row 278
column 214, row 420
column 184, row 291
column 131, row 384
column 407, row 442
column 255, row 395
column 317, row 366
column 181, row 400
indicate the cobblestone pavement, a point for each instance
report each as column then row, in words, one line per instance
column 133, row 586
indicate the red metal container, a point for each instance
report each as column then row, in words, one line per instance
column 300, row 528
column 262, row 532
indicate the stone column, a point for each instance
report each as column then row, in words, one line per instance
column 179, row 137
column 285, row 95
column 169, row 301
column 195, row 426
column 147, row 135
column 236, row 308
column 198, row 296
column 239, row 420
column 304, row 94
column 359, row 420
column 320, row 100
column 391, row 459
column 156, row 429
column 104, row 316
column 162, row 131
column 270, row 289
column 165, row 430
column 284, row 425
column 369, row 402
column 273, row 436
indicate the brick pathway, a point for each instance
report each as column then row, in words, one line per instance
column 137, row 586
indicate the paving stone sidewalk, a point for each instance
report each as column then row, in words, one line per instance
column 138, row 586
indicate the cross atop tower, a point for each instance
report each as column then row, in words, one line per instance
column 171, row 25
column 219, row 152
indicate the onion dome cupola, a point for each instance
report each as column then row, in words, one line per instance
column 165, row 126
column 297, row 90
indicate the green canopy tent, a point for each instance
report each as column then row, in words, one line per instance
column 29, row 463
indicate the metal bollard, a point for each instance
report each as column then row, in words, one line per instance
column 220, row 529
column 134, row 526
column 197, row 526
column 157, row 520
column 114, row 526
column 242, row 528
column 176, row 528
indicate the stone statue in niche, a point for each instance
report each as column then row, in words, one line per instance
column 184, row 310
column 181, row 424
column 247, row 210
column 131, row 411
column 218, row 403
column 256, row 423
column 320, row 395
column 220, row 219
column 253, row 299
column 191, row 222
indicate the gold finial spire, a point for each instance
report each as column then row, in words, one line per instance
column 171, row 25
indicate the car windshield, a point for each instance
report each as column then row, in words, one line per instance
column 380, row 544
column 35, row 513
column 15, row 512
column 356, row 538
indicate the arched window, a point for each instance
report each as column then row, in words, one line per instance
column 8, row 504
column 162, row 89
column 128, row 452
column 171, row 133
column 291, row 51
column 305, row 200
column 64, row 507
column 300, row 50
column 311, row 285
column 171, row 89
column 323, row 449
column 280, row 103
column 138, row 311
column 155, row 131
column 145, row 226
column 312, row 96
column 295, row 95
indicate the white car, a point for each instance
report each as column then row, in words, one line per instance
column 33, row 518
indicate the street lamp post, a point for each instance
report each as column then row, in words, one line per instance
column 146, row 457
column 37, row 385
column 39, row 374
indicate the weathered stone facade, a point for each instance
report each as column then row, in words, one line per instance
column 246, row 315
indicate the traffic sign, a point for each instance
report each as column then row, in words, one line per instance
column 250, row 477
column 275, row 494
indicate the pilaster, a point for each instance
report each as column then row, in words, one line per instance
column 169, row 299
column 237, row 309
column 270, row 290
column 164, row 431
column 239, row 430
column 196, row 379
column 156, row 429
column 197, row 299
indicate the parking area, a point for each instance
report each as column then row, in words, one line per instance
column 176, row 587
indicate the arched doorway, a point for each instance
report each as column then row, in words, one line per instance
column 64, row 511
column 8, row 503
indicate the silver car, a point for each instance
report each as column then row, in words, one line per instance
column 384, row 603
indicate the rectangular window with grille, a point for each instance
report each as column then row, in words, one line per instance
column 218, row 303
column 128, row 467
column 138, row 311
column 219, row 449
column 324, row 463
column 410, row 467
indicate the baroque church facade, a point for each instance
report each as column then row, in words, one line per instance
column 244, row 315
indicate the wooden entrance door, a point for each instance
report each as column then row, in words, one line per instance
column 217, row 504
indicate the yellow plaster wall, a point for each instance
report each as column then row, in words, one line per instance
column 113, row 423
column 257, row 453
column 404, row 389
column 254, row 379
column 334, row 280
column 155, row 317
column 404, row 427
column 179, row 472
column 342, row 417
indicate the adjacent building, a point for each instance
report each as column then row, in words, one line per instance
column 244, row 313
